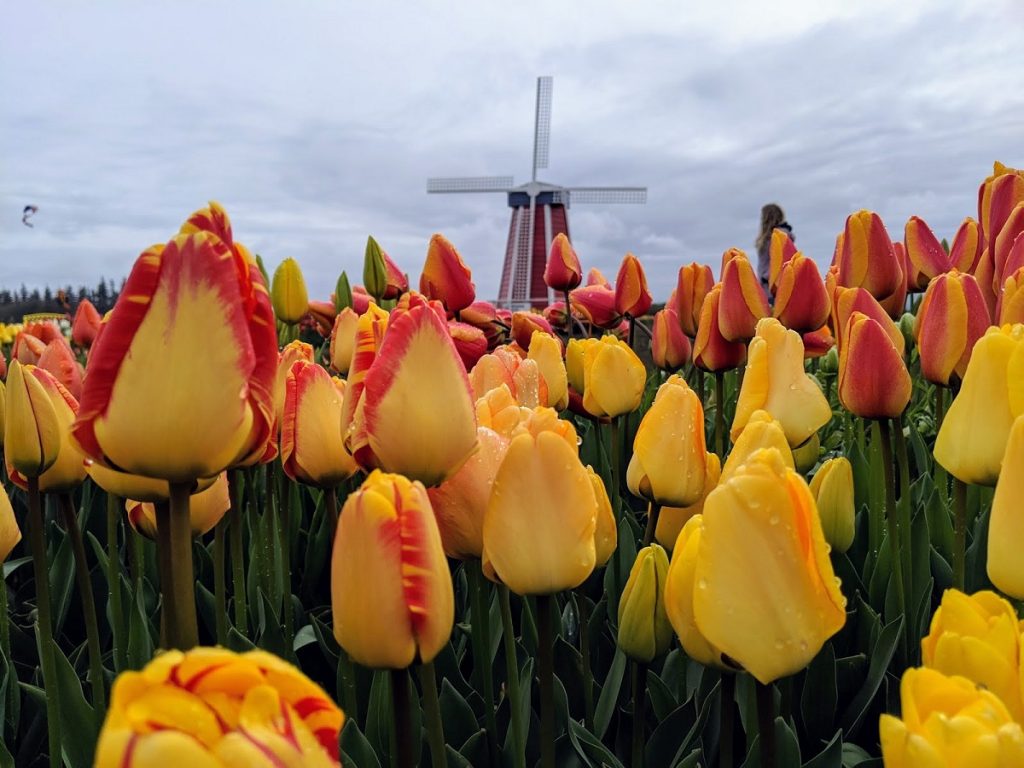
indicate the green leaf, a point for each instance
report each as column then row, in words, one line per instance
column 355, row 749
column 305, row 636
column 819, row 694
column 459, row 721
column 881, row 656
column 140, row 638
column 272, row 638
column 590, row 748
column 378, row 715
column 670, row 735
column 609, row 694
column 661, row 698
column 78, row 722
column 829, row 757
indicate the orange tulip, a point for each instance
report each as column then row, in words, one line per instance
column 1011, row 302
column 596, row 277
column 818, row 343
column 631, row 295
column 484, row 316
column 867, row 258
column 924, row 253
column 390, row 586
column 446, row 277
column 27, row 348
column 504, row 366
column 801, row 302
column 86, row 324
column 694, row 283
column 711, row 350
column 563, row 271
column 952, row 317
column 670, row 348
column 46, row 330
column 742, row 302
column 967, row 246
column 596, row 305
column 524, row 324
column 781, row 249
column 873, row 379
column 61, row 362
column 312, row 449
column 414, row 414
column 207, row 507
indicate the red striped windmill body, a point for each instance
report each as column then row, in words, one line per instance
column 540, row 211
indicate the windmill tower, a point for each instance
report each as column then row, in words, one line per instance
column 540, row 211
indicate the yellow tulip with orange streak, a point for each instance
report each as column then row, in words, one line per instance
column 693, row 284
column 292, row 352
column 951, row 319
column 846, row 301
column 711, row 350
column 390, row 587
column 446, row 277
column 866, row 257
column 546, row 352
column 742, row 301
column 781, row 249
column 967, row 247
column 873, row 379
column 312, row 448
column 670, row 349
column 212, row 707
column 209, row 503
column 343, row 340
column 1007, row 242
column 631, row 295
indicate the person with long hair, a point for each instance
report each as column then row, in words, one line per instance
column 772, row 218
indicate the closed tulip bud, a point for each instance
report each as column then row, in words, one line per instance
column 776, row 382
column 1006, row 527
column 291, row 354
column 998, row 195
column 832, row 487
column 761, row 432
column 829, row 361
column 563, row 271
column 765, row 514
column 820, row 343
column 644, row 629
column 288, row 292
column 742, row 301
column 972, row 439
column 524, row 324
column 967, row 246
column 415, row 411
column 27, row 348
column 596, row 305
column 390, row 586
column 470, row 342
column 86, row 324
column 850, row 300
column 10, row 534
column 908, row 329
column 631, row 295
column 694, row 283
column 546, row 352
column 873, row 379
column 781, row 249
column 596, row 277
column 375, row 277
column 711, row 350
column 680, row 592
column 951, row 319
column 59, row 361
column 606, row 532
column 669, row 453
column 343, row 340
column 927, row 257
column 342, row 297
column 867, row 259
column 215, row 409
column 312, row 449
column 613, row 378
column 445, row 276
column 539, row 528
column 672, row 519
column 805, row 455
column 215, row 707
column 209, row 503
column 1010, row 308
column 32, row 426
column 801, row 302
column 670, row 348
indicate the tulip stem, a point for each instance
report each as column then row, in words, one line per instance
column 183, row 631
column 766, row 723
column 545, row 668
column 727, row 710
column 512, row 673
column 401, row 718
column 331, row 508
column 653, row 511
column 588, row 675
column 117, row 627
column 720, row 415
column 481, row 641
column 568, row 316
column 940, row 406
column 92, row 629
column 235, row 534
column 47, row 661
column 959, row 532
column 432, row 710
column 284, row 532
column 903, row 462
column 220, row 582
column 617, row 452
column 636, row 672
column 895, row 567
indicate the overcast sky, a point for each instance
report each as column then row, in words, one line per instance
column 316, row 124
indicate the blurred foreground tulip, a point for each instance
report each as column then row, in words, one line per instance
column 86, row 324
column 866, row 258
column 951, row 319
column 390, row 587
column 832, row 487
column 10, row 534
column 288, row 292
column 742, row 301
column 613, row 378
column 541, row 518
column 669, row 460
column 213, row 707
column 949, row 721
column 644, row 630
column 775, row 381
column 801, row 302
column 27, row 348
column 972, row 439
column 1006, row 524
column 873, row 379
column 693, row 284
column 631, row 295
column 672, row 519
column 563, row 271
column 670, row 348
column 772, row 619
column 445, row 277
column 711, row 350
column 208, row 505
column 312, row 449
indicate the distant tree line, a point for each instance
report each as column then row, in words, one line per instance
column 14, row 305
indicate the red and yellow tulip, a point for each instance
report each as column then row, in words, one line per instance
column 445, row 276
column 631, row 295
column 801, row 301
column 873, row 379
column 563, row 271
column 693, row 284
column 312, row 449
column 951, row 319
column 742, row 301
column 711, row 350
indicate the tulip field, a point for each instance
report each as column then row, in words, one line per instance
column 751, row 524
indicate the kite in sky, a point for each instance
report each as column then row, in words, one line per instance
column 28, row 213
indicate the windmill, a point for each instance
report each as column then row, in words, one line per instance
column 539, row 212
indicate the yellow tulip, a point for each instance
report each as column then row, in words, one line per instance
column 499, row 410
column 805, row 455
column 972, row 439
column 776, row 382
column 575, row 351
column 343, row 339
column 207, row 507
column 978, row 637
column 137, row 487
column 32, row 431
column 288, row 292
column 546, row 351
column 10, row 534
column 390, row 586
column 1006, row 526
column 644, row 629
column 832, row 486
column 669, row 459
column 3, row 407
column 766, row 594
column 613, row 378
column 762, row 431
column 312, row 450
column 949, row 721
column 672, row 519
column 680, row 588
column 606, row 532
column 541, row 518
column 211, row 707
